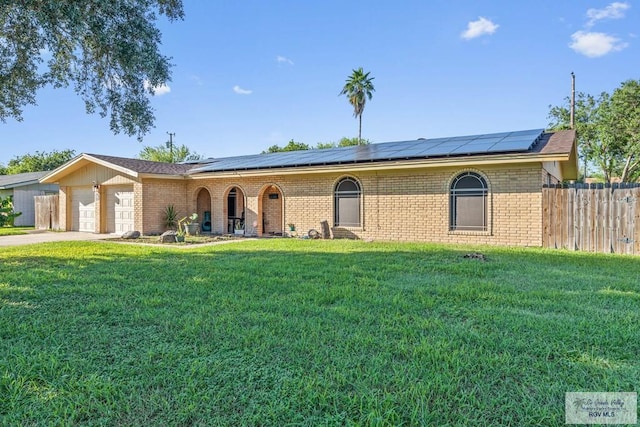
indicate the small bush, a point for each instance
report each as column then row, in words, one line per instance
column 7, row 214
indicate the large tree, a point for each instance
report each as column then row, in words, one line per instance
column 608, row 129
column 168, row 154
column 358, row 88
column 586, row 110
column 108, row 50
column 622, row 115
column 39, row 161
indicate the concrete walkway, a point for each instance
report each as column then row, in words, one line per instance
column 50, row 236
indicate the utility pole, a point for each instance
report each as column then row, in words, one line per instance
column 170, row 144
column 572, row 117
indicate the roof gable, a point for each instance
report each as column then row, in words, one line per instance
column 132, row 167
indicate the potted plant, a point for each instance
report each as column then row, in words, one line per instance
column 292, row 226
column 192, row 226
column 239, row 228
column 182, row 229
column 188, row 226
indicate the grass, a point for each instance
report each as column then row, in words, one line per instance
column 14, row 231
column 294, row 332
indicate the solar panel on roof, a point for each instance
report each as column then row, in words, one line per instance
column 517, row 141
column 471, row 149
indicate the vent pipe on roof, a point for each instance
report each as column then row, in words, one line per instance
column 572, row 116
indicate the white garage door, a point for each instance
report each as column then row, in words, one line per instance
column 83, row 213
column 119, row 209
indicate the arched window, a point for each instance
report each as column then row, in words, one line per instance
column 347, row 203
column 468, row 203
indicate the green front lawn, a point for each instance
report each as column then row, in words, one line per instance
column 14, row 231
column 294, row 332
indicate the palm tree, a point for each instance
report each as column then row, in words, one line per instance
column 358, row 88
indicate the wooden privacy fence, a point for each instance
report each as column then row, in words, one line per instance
column 47, row 212
column 592, row 217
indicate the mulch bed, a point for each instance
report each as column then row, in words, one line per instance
column 189, row 240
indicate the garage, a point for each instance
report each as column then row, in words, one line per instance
column 119, row 209
column 83, row 213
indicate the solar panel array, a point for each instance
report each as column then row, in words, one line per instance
column 506, row 142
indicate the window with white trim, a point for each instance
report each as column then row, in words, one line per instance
column 347, row 203
column 468, row 203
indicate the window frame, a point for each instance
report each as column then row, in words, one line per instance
column 455, row 194
column 338, row 194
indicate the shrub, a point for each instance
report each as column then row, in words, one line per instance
column 7, row 214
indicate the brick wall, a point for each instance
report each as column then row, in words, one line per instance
column 410, row 205
column 152, row 197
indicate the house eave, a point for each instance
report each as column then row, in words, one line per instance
column 390, row 165
column 19, row 184
column 160, row 176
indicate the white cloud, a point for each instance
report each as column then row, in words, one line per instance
column 237, row 89
column 157, row 90
column 284, row 60
column 615, row 10
column 196, row 79
column 593, row 44
column 478, row 28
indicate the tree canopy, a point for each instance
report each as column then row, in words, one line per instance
column 291, row 146
column 40, row 161
column 295, row 146
column 344, row 142
column 108, row 50
column 608, row 129
column 173, row 154
column 358, row 88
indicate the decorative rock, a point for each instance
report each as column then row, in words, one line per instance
column 168, row 237
column 131, row 235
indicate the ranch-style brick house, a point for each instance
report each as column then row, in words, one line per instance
column 472, row 189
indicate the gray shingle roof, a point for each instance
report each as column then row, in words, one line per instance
column 20, row 179
column 146, row 166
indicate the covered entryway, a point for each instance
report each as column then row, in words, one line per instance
column 83, row 213
column 119, row 209
column 270, row 210
column 203, row 209
column 235, row 211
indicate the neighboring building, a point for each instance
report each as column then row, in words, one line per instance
column 24, row 187
column 473, row 189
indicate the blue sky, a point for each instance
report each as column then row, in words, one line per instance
column 252, row 74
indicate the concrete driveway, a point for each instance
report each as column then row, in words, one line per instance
column 50, row 236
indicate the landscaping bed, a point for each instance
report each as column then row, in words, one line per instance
column 199, row 239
